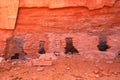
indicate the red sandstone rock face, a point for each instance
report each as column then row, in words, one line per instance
column 54, row 25
column 114, row 41
column 91, row 4
column 8, row 13
column 68, row 20
column 9, row 9
column 3, row 37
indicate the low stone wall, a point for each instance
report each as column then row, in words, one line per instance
column 114, row 43
column 55, row 42
column 32, row 42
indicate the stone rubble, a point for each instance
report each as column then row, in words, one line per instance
column 41, row 62
column 2, row 59
column 29, row 63
column 109, row 61
column 48, row 56
column 40, row 69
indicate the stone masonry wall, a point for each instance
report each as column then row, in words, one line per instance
column 57, row 42
column 114, row 43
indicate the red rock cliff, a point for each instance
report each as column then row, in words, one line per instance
column 9, row 9
column 52, row 21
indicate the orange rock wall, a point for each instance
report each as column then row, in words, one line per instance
column 9, row 9
column 4, row 35
column 91, row 4
column 67, row 19
column 52, row 21
column 8, row 13
column 55, row 25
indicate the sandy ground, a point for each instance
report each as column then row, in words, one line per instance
column 73, row 67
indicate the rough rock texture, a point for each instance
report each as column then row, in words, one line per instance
column 61, row 19
column 81, row 41
column 9, row 9
column 97, row 55
column 69, row 19
column 58, row 24
column 4, row 34
column 114, row 41
column 91, row 4
column 48, row 56
column 8, row 13
column 14, row 44
column 56, row 42
column 41, row 63
column 32, row 42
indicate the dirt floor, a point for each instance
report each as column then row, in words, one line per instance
column 72, row 67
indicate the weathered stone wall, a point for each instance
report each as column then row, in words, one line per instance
column 81, row 24
column 14, row 44
column 4, row 34
column 56, row 42
column 114, row 43
column 32, row 43
column 82, row 20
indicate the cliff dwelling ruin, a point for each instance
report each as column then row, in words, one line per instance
column 46, row 29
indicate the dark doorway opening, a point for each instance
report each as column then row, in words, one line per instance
column 41, row 47
column 69, row 46
column 102, row 46
column 15, row 56
column 119, row 53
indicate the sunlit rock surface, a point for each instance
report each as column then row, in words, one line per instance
column 53, row 21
